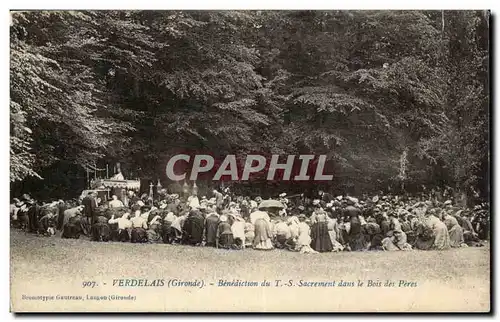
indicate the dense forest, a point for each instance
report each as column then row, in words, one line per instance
column 398, row 100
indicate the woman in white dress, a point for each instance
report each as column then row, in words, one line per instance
column 304, row 239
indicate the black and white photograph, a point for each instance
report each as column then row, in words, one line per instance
column 250, row 161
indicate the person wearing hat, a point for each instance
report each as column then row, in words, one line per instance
column 224, row 234
column 238, row 229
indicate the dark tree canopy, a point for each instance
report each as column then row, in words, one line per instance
column 394, row 98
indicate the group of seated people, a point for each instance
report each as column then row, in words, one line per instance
column 323, row 224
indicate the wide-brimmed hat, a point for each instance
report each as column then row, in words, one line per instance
column 375, row 199
column 223, row 218
column 339, row 198
column 447, row 202
column 316, row 202
column 282, row 195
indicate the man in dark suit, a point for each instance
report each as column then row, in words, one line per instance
column 90, row 205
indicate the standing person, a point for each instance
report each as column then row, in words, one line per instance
column 211, row 224
column 263, row 233
column 356, row 236
column 46, row 224
column 90, row 204
column 22, row 215
column 115, row 203
column 319, row 232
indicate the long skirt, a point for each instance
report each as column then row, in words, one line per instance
column 138, row 235
column 442, row 240
column 320, row 238
column 101, row 232
column 226, row 241
column 71, row 230
column 456, row 236
column 262, row 239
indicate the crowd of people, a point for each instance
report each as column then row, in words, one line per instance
column 223, row 220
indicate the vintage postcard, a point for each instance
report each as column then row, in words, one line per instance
column 250, row 161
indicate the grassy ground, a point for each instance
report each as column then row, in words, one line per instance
column 453, row 280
